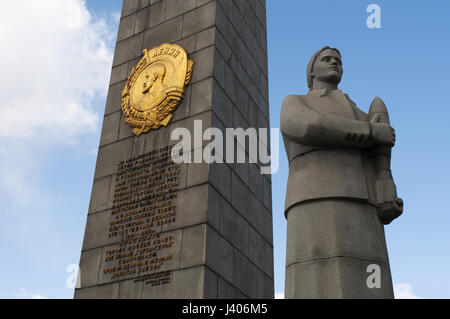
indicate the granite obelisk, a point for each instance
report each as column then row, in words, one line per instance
column 156, row 229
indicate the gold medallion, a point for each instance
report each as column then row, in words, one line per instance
column 156, row 87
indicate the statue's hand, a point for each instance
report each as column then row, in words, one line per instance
column 389, row 211
column 382, row 134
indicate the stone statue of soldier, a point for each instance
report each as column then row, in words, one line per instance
column 340, row 190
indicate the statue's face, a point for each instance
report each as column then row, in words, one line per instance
column 328, row 67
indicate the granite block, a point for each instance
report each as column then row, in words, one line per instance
column 202, row 94
column 199, row 19
column 110, row 155
column 175, row 8
column 166, row 32
column 219, row 254
column 142, row 20
column 126, row 27
column 130, row 290
column 257, row 252
column 114, row 98
column 100, row 195
column 110, row 291
column 97, row 231
column 119, row 73
column 157, row 12
column 193, row 246
column 89, row 267
column 129, row 7
column 128, row 49
column 211, row 285
column 234, row 228
column 333, row 278
column 206, row 38
column 204, row 66
column 185, row 284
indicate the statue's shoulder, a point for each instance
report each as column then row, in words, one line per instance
column 294, row 100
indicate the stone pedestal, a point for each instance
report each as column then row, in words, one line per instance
column 213, row 236
column 331, row 245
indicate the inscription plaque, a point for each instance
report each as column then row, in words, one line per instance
column 146, row 188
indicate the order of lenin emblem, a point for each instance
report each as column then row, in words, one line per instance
column 156, row 87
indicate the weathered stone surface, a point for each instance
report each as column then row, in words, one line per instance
column 89, row 267
column 182, row 111
column 130, row 290
column 245, row 275
column 113, row 101
column 214, row 208
column 129, row 7
column 197, row 174
column 199, row 19
column 234, row 227
column 151, row 142
column 142, row 20
column 220, row 178
column 176, row 7
column 110, row 291
column 265, row 286
column 335, row 228
column 157, row 13
column 97, row 229
column 345, row 278
column 193, row 246
column 257, row 253
column 241, row 196
column 227, row 291
column 128, row 49
column 126, row 28
column 189, row 44
column 222, row 106
column 205, row 69
column 211, row 285
column 219, row 254
column 202, row 93
column 110, row 130
column 125, row 130
column 268, row 194
column 110, row 155
column 253, row 282
column 119, row 73
column 206, row 38
column 100, row 196
column 192, row 207
column 167, row 32
column 185, row 284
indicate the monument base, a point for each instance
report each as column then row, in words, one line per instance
column 332, row 245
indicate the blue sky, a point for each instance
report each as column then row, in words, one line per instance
column 50, row 127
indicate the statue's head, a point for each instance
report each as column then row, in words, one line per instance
column 325, row 66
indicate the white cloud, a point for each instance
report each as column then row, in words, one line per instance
column 25, row 294
column 279, row 295
column 116, row 17
column 55, row 59
column 404, row 291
